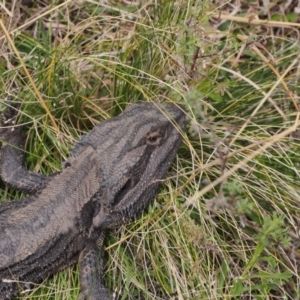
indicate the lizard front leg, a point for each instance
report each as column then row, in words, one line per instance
column 91, row 268
column 12, row 170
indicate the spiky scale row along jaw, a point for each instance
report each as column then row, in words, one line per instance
column 112, row 174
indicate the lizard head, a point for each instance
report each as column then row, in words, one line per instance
column 136, row 149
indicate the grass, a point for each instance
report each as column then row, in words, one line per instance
column 226, row 222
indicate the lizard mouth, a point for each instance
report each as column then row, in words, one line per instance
column 129, row 184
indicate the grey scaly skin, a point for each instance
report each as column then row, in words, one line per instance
column 112, row 174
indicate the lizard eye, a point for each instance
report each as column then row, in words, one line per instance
column 153, row 139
